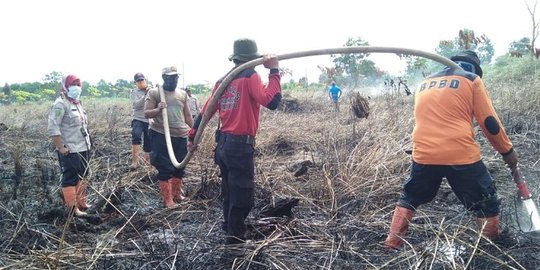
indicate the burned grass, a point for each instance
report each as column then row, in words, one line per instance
column 334, row 215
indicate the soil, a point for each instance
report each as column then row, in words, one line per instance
column 323, row 225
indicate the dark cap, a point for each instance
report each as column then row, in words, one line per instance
column 469, row 57
column 244, row 50
column 139, row 76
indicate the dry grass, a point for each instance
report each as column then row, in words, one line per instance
column 346, row 198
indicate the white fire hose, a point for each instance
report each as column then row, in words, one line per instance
column 219, row 91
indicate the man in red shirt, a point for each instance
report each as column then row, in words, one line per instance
column 238, row 110
column 445, row 146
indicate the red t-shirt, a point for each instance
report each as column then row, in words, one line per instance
column 239, row 106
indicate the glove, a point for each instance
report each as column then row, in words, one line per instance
column 270, row 61
column 191, row 134
column 511, row 160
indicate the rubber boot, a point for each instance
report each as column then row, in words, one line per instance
column 147, row 158
column 489, row 227
column 135, row 152
column 177, row 190
column 166, row 194
column 398, row 228
column 70, row 199
column 81, row 196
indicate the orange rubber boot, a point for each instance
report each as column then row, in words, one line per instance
column 135, row 152
column 398, row 228
column 489, row 227
column 177, row 189
column 70, row 199
column 166, row 194
column 81, row 195
column 147, row 158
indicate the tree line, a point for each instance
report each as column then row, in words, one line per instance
column 49, row 89
column 349, row 70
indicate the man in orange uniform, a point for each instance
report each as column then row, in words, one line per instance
column 445, row 146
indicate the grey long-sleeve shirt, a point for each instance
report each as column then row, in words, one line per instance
column 69, row 121
column 138, row 98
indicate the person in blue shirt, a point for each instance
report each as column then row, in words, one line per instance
column 335, row 93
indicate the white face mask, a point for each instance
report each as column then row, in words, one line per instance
column 74, row 92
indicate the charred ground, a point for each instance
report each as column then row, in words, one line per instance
column 341, row 201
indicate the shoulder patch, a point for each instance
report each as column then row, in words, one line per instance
column 492, row 125
column 58, row 112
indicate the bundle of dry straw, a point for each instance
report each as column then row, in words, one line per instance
column 359, row 105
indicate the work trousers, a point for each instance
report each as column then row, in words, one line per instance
column 139, row 134
column 74, row 167
column 235, row 157
column 159, row 156
column 471, row 183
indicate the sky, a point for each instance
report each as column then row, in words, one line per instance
column 114, row 39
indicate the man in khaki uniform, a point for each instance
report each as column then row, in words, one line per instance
column 180, row 122
column 139, row 124
column 193, row 104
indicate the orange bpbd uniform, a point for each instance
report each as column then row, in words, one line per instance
column 445, row 105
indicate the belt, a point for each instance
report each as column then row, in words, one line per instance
column 238, row 138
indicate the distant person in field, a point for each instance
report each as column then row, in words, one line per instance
column 444, row 146
column 238, row 110
column 139, row 124
column 193, row 104
column 180, row 121
column 68, row 128
column 334, row 92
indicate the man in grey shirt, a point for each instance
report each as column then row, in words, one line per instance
column 139, row 124
column 193, row 104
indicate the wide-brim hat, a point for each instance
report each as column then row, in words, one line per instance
column 469, row 57
column 244, row 50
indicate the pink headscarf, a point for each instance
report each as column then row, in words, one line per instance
column 67, row 81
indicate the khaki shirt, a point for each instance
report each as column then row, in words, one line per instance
column 137, row 97
column 193, row 105
column 69, row 121
column 176, row 101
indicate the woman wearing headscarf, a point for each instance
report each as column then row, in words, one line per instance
column 68, row 128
